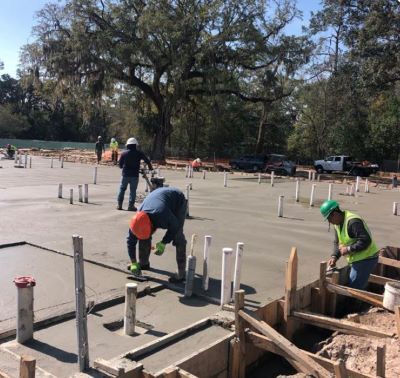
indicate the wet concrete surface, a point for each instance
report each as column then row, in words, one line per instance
column 244, row 211
column 55, row 347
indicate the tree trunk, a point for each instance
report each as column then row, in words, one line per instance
column 262, row 127
column 161, row 135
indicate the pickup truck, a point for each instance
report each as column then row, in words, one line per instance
column 343, row 163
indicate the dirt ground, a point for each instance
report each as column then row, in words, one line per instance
column 359, row 353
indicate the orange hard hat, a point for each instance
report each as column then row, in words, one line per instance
column 140, row 225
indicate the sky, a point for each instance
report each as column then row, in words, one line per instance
column 17, row 17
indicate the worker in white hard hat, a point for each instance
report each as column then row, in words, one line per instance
column 114, row 150
column 129, row 162
column 99, row 148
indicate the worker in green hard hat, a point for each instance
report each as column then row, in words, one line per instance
column 352, row 240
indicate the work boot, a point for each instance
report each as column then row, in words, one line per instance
column 119, row 206
column 131, row 207
column 177, row 278
column 145, row 266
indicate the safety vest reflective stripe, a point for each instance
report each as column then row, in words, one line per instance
column 346, row 240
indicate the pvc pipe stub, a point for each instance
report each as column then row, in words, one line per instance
column 24, row 281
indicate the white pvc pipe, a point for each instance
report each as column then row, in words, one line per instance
column 86, row 198
column 330, row 191
column 272, row 178
column 226, row 278
column 176, row 166
column 187, row 199
column 95, row 176
column 26, row 160
column 24, row 314
column 347, row 190
column 59, row 190
column 394, row 208
column 62, row 161
column 71, row 196
column 204, row 175
column 80, row 193
column 51, row 164
column 190, row 273
column 130, row 308
column 352, row 189
column 280, row 206
column 16, row 158
column 319, row 178
column 187, row 171
column 366, row 187
column 225, row 179
column 206, row 255
column 312, row 194
column 309, row 175
column 297, row 190
column 30, row 162
column 238, row 266
column 259, row 177
column 313, row 176
column 358, row 184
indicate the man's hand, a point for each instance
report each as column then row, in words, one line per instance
column 332, row 261
column 160, row 248
column 343, row 249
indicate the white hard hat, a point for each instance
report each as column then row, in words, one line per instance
column 131, row 141
column 112, row 139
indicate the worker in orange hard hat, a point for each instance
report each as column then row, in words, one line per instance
column 163, row 208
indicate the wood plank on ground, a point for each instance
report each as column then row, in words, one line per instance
column 389, row 262
column 268, row 345
column 341, row 325
column 366, row 296
column 305, row 363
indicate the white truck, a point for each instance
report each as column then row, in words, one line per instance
column 343, row 163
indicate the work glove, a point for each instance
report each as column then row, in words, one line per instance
column 160, row 248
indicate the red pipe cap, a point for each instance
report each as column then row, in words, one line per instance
column 24, row 281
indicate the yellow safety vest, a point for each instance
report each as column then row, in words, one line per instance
column 346, row 240
column 114, row 146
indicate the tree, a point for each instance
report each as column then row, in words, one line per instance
column 161, row 47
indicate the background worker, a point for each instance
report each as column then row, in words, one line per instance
column 196, row 164
column 163, row 208
column 99, row 148
column 129, row 162
column 352, row 240
column 114, row 151
column 10, row 151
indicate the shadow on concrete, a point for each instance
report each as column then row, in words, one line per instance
column 292, row 218
column 199, row 218
column 58, row 354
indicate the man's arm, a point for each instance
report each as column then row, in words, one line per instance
column 356, row 230
column 147, row 161
column 173, row 227
column 121, row 160
column 131, row 242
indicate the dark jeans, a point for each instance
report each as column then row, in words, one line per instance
column 360, row 271
column 133, row 183
column 99, row 154
column 144, row 249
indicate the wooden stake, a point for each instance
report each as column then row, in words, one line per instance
column 27, row 367
column 340, row 369
column 381, row 361
column 306, row 364
column 397, row 316
column 238, row 344
column 333, row 300
column 80, row 298
column 290, row 291
column 322, row 288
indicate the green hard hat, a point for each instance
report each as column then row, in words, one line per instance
column 327, row 207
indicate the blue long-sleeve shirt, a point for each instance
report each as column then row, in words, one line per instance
column 130, row 160
column 166, row 208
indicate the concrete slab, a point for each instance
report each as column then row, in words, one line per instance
column 54, row 293
column 244, row 211
column 55, row 348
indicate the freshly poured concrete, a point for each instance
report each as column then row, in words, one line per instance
column 244, row 211
column 55, row 348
